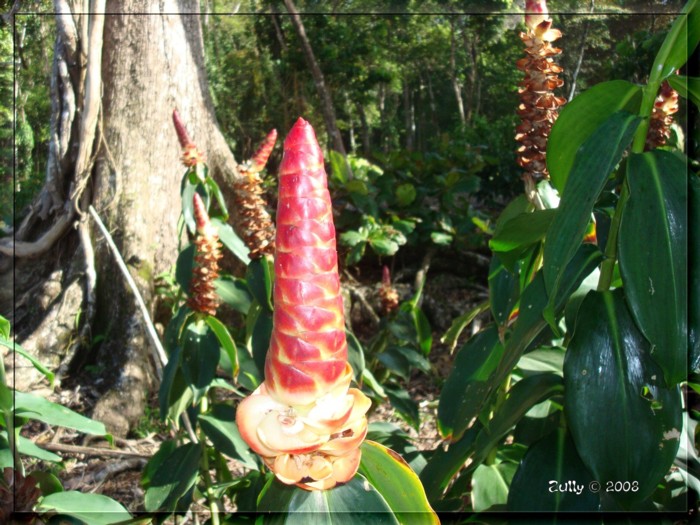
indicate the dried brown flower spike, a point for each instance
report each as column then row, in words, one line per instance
column 203, row 297
column 255, row 222
column 665, row 106
column 539, row 107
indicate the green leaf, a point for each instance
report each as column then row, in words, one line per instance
column 441, row 238
column 200, row 357
column 451, row 337
column 543, row 360
column 595, row 160
column 655, row 272
column 694, row 276
column 6, row 342
column 530, row 321
column 613, row 384
column 504, row 290
column 525, row 394
column 424, row 332
column 5, row 328
column 27, row 447
column 397, row 483
column 184, row 267
column 340, row 170
column 490, row 485
column 352, row 238
column 680, row 42
column 219, row 424
column 356, row 356
column 95, row 509
column 231, row 240
column 174, row 477
column 384, row 246
column 260, row 278
column 226, row 341
column 522, row 231
column 552, row 478
column 404, row 405
column 216, row 191
column 467, row 386
column 354, row 502
column 234, row 292
column 687, row 87
column 579, row 120
column 36, row 407
column 260, row 334
column 405, row 194
column 172, row 386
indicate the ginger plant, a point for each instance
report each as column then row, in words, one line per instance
column 304, row 420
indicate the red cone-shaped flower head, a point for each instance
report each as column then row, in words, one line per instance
column 304, row 420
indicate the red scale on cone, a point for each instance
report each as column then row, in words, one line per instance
column 304, row 420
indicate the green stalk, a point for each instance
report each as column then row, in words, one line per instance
column 213, row 503
column 608, row 266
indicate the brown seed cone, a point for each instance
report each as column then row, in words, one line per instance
column 665, row 106
column 254, row 219
column 539, row 107
column 203, row 297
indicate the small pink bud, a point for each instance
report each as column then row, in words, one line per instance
column 181, row 131
column 257, row 163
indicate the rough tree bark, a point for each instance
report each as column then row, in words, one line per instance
column 150, row 65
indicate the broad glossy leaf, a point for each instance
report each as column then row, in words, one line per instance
column 259, row 278
column 687, row 87
column 467, row 386
column 451, row 337
column 694, row 276
column 400, row 487
column 175, row 476
column 36, row 407
column 521, row 231
column 187, row 191
column 225, row 341
column 543, row 360
column 355, row 502
column 26, row 447
column 490, row 484
column 216, row 191
column 445, row 463
column 200, row 357
column 525, row 394
column 613, row 384
column 6, row 342
column 680, row 42
column 260, row 329
column 94, row 509
column 504, row 290
column 552, row 478
column 579, row 120
column 530, row 321
column 404, row 404
column 219, row 424
column 424, row 332
column 184, row 267
column 234, row 292
column 231, row 240
column 594, row 162
column 653, row 256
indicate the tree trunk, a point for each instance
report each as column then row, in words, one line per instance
column 456, row 87
column 150, row 65
column 317, row 74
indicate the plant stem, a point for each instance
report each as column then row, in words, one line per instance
column 213, row 503
column 608, row 266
